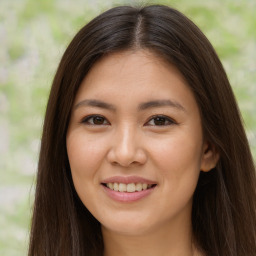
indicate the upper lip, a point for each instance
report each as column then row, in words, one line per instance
column 128, row 179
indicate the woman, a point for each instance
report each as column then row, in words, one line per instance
column 143, row 150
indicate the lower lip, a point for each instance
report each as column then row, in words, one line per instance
column 127, row 196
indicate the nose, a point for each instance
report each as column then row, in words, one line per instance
column 127, row 147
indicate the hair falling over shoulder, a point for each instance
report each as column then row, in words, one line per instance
column 224, row 203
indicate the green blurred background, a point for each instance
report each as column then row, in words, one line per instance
column 33, row 36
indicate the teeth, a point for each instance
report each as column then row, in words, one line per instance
column 122, row 187
column 144, row 186
column 116, row 186
column 111, row 186
column 131, row 187
column 138, row 187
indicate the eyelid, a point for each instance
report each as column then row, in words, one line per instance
column 87, row 118
column 169, row 119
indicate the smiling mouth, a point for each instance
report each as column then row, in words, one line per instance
column 130, row 187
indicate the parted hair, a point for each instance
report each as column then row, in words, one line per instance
column 224, row 202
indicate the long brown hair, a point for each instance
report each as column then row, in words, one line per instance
column 224, row 205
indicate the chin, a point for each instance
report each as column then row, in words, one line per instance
column 125, row 230
column 132, row 226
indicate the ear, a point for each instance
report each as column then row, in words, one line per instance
column 210, row 157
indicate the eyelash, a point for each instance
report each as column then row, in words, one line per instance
column 161, row 118
column 93, row 117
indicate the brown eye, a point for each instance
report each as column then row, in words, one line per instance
column 160, row 121
column 95, row 120
column 98, row 120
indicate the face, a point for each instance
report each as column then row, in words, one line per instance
column 135, row 143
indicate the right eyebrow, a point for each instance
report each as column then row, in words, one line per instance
column 95, row 103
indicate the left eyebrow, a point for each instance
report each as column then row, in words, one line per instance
column 161, row 103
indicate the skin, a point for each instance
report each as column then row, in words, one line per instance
column 130, row 141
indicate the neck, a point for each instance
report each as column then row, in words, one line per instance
column 169, row 240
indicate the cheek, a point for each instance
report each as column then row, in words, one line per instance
column 178, row 164
column 178, row 160
column 85, row 158
column 177, row 152
column 85, row 155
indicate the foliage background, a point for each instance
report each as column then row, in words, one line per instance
column 33, row 36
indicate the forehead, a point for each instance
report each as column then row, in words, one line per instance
column 134, row 76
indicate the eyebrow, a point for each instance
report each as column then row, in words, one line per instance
column 161, row 103
column 95, row 103
column 142, row 106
